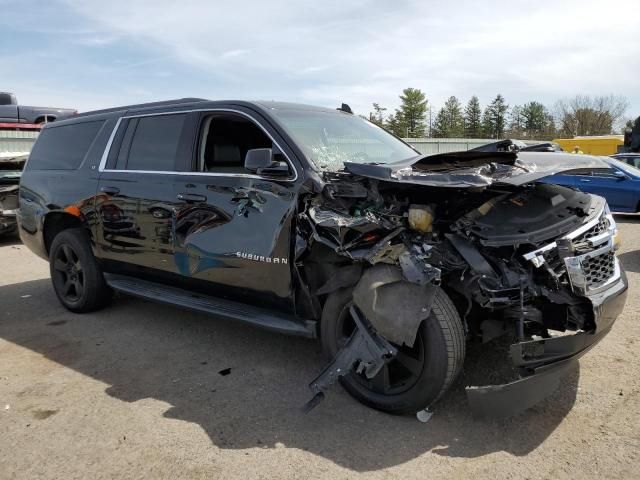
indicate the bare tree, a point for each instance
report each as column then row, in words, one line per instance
column 586, row 115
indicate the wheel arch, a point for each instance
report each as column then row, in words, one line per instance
column 56, row 222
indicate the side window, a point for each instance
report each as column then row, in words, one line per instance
column 578, row 172
column 603, row 172
column 224, row 142
column 150, row 143
column 64, row 147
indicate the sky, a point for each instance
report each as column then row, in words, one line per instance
column 90, row 54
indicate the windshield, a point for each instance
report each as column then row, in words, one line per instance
column 329, row 139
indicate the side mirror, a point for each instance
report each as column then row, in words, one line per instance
column 619, row 175
column 258, row 158
column 260, row 161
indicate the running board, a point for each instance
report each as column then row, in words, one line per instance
column 215, row 306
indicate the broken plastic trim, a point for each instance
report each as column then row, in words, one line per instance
column 393, row 305
column 366, row 353
column 545, row 362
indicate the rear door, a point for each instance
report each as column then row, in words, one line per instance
column 233, row 228
column 136, row 196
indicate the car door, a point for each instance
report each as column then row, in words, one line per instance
column 566, row 179
column 233, row 230
column 136, row 196
column 612, row 184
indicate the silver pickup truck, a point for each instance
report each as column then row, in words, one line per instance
column 11, row 112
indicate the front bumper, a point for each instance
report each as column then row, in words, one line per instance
column 544, row 363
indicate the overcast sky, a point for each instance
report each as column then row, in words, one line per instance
column 90, row 54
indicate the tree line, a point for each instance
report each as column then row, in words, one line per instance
column 577, row 116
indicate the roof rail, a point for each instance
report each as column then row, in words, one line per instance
column 164, row 103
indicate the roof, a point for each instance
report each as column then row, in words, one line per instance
column 192, row 103
column 201, row 102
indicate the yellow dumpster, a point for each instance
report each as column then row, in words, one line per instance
column 596, row 145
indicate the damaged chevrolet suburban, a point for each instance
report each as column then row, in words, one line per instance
column 314, row 222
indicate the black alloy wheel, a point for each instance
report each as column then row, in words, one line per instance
column 76, row 275
column 68, row 273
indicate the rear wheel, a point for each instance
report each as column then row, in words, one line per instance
column 75, row 273
column 418, row 375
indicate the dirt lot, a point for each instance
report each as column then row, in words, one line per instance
column 134, row 392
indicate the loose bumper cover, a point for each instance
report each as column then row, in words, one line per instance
column 544, row 363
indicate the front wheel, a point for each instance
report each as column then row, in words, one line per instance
column 418, row 375
column 75, row 273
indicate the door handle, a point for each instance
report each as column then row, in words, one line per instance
column 192, row 198
column 110, row 190
column 586, row 180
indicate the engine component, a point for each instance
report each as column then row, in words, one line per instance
column 471, row 254
column 421, row 218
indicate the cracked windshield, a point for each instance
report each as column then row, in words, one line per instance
column 329, row 139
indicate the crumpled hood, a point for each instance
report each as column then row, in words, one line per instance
column 476, row 169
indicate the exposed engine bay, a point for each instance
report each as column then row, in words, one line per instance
column 517, row 260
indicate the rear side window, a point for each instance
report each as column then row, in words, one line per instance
column 63, row 148
column 151, row 143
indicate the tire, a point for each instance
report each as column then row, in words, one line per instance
column 76, row 276
column 418, row 376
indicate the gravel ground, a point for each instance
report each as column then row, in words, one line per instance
column 134, row 391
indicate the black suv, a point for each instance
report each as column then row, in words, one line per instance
column 314, row 222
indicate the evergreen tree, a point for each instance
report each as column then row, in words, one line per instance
column 439, row 129
column 449, row 121
column 473, row 119
column 395, row 125
column 536, row 117
column 411, row 114
column 494, row 118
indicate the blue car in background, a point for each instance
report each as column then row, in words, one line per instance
column 632, row 159
column 619, row 184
